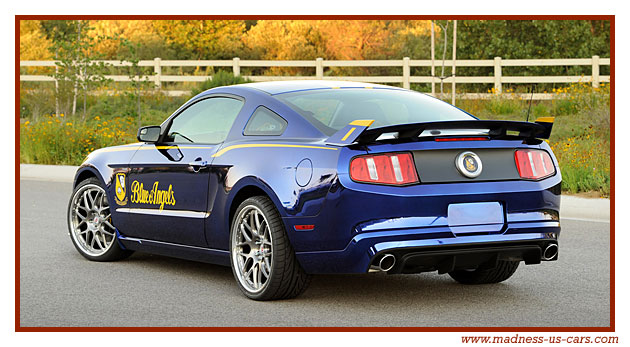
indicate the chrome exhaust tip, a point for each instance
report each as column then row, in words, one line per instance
column 550, row 252
column 387, row 262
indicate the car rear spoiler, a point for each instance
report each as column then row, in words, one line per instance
column 358, row 132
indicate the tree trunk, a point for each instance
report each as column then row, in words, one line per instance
column 445, row 28
column 74, row 98
column 76, row 81
column 138, row 103
column 454, row 57
column 432, row 59
column 56, row 85
column 85, row 89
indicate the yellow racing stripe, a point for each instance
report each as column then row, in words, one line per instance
column 348, row 134
column 219, row 153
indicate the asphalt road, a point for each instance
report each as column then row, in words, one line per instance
column 61, row 288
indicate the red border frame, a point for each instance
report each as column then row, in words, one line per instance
column 610, row 328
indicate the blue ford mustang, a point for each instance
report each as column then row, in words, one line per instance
column 281, row 180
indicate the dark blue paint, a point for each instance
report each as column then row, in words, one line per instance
column 353, row 221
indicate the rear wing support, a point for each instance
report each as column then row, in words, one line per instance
column 348, row 134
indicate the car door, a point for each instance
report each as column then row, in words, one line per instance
column 168, row 183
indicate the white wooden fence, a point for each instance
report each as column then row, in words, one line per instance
column 405, row 78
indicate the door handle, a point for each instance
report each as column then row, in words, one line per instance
column 198, row 164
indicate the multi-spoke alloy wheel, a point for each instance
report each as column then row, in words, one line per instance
column 263, row 261
column 252, row 249
column 90, row 225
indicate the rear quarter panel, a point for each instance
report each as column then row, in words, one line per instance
column 273, row 170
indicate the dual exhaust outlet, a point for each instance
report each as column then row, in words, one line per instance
column 385, row 263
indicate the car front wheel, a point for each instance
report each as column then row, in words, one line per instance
column 90, row 223
column 262, row 259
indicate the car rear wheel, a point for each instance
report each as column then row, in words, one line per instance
column 263, row 261
column 90, row 223
column 503, row 271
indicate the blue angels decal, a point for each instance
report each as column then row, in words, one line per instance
column 155, row 196
column 121, row 189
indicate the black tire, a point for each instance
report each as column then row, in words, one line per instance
column 113, row 251
column 286, row 277
column 503, row 271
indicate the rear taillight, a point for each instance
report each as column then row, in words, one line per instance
column 388, row 168
column 533, row 164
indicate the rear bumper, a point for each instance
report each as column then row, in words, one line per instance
column 437, row 248
column 359, row 222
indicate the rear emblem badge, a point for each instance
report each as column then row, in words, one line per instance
column 468, row 164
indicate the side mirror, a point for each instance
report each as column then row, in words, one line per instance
column 149, row 134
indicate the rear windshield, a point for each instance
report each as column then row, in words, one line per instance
column 331, row 109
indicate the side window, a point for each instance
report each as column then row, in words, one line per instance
column 207, row 121
column 265, row 122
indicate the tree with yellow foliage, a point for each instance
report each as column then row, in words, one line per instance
column 141, row 33
column 332, row 39
column 286, row 40
column 203, row 39
column 33, row 42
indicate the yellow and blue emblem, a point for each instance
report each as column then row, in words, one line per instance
column 121, row 189
column 468, row 164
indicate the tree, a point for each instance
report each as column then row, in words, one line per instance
column 76, row 68
column 285, row 40
column 137, row 75
column 409, row 38
column 355, row 39
column 532, row 39
column 56, row 31
column 203, row 39
column 142, row 32
column 34, row 45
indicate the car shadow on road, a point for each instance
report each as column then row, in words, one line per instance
column 351, row 289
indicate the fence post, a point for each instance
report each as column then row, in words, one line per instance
column 595, row 71
column 453, row 91
column 497, row 75
column 157, row 69
column 236, row 66
column 319, row 68
column 406, row 73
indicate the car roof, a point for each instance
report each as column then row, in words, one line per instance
column 280, row 87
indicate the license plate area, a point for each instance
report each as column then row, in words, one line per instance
column 475, row 217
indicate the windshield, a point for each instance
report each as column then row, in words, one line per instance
column 331, row 109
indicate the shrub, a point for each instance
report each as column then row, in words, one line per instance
column 584, row 162
column 504, row 104
column 63, row 141
column 564, row 107
column 220, row 78
column 539, row 110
